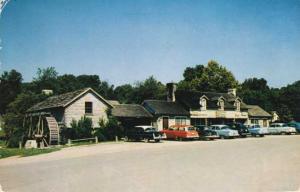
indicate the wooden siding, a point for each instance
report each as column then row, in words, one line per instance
column 77, row 110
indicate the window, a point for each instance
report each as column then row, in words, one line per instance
column 238, row 105
column 88, row 107
column 221, row 104
column 203, row 103
column 180, row 121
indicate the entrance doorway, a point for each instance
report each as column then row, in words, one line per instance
column 165, row 122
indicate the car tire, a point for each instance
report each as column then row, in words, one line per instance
column 157, row 140
column 262, row 135
column 222, row 137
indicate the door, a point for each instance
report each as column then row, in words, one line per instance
column 165, row 122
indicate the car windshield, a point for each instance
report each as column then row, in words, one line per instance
column 225, row 127
column 150, row 129
column 190, row 128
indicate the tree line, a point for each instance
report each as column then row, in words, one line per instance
column 17, row 96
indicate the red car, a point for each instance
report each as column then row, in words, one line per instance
column 181, row 132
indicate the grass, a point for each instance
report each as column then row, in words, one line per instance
column 8, row 152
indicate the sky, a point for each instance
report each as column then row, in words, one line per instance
column 124, row 41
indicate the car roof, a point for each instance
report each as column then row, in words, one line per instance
column 143, row 126
column 219, row 125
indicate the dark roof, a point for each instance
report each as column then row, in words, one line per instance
column 63, row 100
column 159, row 107
column 257, row 111
column 191, row 99
column 130, row 110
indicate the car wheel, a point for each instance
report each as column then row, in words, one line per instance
column 222, row 137
column 180, row 138
column 261, row 135
column 157, row 140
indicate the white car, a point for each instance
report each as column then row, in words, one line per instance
column 281, row 128
column 224, row 131
column 256, row 130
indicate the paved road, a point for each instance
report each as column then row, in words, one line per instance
column 253, row 164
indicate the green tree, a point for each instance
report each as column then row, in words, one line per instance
column 257, row 92
column 45, row 79
column 10, row 87
column 212, row 77
column 124, row 93
column 13, row 119
column 148, row 89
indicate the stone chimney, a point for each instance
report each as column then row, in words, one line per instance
column 171, row 89
column 232, row 91
column 47, row 91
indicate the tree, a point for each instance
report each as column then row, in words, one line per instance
column 13, row 119
column 10, row 87
column 148, row 89
column 256, row 92
column 212, row 77
column 124, row 93
column 46, row 79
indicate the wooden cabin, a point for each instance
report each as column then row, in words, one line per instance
column 74, row 105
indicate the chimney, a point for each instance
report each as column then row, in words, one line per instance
column 47, row 91
column 232, row 91
column 171, row 88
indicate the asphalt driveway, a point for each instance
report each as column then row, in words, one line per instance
column 253, row 164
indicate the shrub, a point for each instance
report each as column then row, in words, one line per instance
column 83, row 128
column 110, row 128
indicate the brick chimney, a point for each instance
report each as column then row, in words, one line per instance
column 232, row 91
column 171, row 89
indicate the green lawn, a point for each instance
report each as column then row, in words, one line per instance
column 7, row 152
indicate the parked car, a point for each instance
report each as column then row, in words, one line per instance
column 143, row 132
column 181, row 132
column 256, row 130
column 296, row 125
column 206, row 133
column 281, row 128
column 224, row 131
column 241, row 128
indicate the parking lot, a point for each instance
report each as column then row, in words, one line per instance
column 252, row 164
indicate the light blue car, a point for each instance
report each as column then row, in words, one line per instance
column 256, row 130
column 281, row 128
column 224, row 131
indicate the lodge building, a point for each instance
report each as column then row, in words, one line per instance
column 180, row 108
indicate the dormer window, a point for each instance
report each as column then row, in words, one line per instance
column 237, row 105
column 203, row 104
column 221, row 104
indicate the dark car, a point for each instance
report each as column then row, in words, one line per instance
column 206, row 133
column 142, row 133
column 295, row 124
column 241, row 128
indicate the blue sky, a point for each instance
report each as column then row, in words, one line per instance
column 125, row 41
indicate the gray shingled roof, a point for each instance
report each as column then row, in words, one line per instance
column 190, row 99
column 257, row 111
column 61, row 100
column 159, row 107
column 130, row 110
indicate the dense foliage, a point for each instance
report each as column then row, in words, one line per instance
column 17, row 96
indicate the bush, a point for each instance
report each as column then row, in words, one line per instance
column 83, row 128
column 110, row 128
